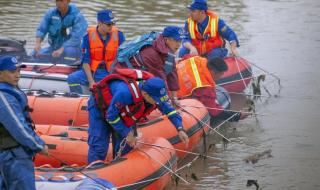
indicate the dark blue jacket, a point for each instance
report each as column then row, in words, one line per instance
column 13, row 117
column 74, row 23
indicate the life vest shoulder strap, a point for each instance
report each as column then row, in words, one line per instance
column 128, row 78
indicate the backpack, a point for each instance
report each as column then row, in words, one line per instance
column 132, row 48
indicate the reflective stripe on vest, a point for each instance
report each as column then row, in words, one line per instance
column 191, row 28
column 139, row 73
column 195, row 72
column 128, row 110
column 134, row 90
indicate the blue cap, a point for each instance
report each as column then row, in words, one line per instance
column 174, row 32
column 156, row 88
column 10, row 63
column 198, row 5
column 106, row 16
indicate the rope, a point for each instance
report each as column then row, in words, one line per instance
column 78, row 170
column 188, row 164
column 165, row 167
column 265, row 71
column 225, row 110
column 203, row 123
column 229, row 82
column 238, row 67
column 179, row 150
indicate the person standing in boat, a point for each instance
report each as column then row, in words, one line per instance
column 197, row 76
column 18, row 140
column 65, row 26
column 159, row 58
column 99, row 49
column 117, row 104
column 206, row 33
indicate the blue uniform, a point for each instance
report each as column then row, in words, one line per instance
column 16, row 165
column 78, row 78
column 64, row 31
column 100, row 130
column 224, row 31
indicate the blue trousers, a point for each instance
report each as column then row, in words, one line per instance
column 17, row 174
column 99, row 136
column 79, row 77
column 68, row 57
column 217, row 52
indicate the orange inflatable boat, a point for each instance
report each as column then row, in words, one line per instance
column 156, row 126
column 146, row 167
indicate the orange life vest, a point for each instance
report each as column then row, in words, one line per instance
column 210, row 38
column 130, row 114
column 100, row 52
column 193, row 73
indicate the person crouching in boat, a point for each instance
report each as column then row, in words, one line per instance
column 117, row 104
column 18, row 140
column 158, row 58
column 99, row 49
column 206, row 33
column 197, row 76
column 65, row 26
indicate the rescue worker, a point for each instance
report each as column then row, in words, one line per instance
column 99, row 49
column 18, row 140
column 118, row 103
column 159, row 58
column 205, row 33
column 197, row 78
column 65, row 26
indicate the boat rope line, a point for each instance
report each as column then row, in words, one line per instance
column 248, row 94
column 138, row 183
column 253, row 113
column 238, row 67
column 77, row 170
column 46, row 68
column 203, row 123
column 151, row 178
column 179, row 150
column 122, row 145
column 265, row 71
column 189, row 164
column 225, row 121
column 35, row 77
column 233, row 81
column 163, row 165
